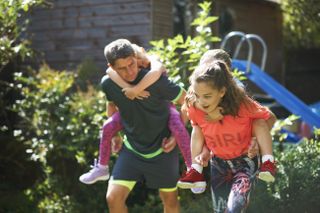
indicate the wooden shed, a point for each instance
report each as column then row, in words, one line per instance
column 70, row 31
column 261, row 17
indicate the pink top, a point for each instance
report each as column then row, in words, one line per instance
column 230, row 137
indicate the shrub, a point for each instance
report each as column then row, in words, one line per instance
column 60, row 127
column 297, row 183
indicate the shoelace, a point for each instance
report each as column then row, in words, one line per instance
column 95, row 164
column 269, row 165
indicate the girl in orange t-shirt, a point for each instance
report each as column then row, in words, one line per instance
column 223, row 115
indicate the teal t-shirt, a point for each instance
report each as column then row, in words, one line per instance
column 145, row 121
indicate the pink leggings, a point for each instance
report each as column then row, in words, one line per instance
column 176, row 126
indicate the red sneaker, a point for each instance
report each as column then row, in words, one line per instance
column 192, row 179
column 267, row 171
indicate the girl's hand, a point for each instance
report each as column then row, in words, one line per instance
column 143, row 94
column 253, row 148
column 131, row 93
column 204, row 157
column 214, row 115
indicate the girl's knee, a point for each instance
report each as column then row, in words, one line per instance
column 236, row 203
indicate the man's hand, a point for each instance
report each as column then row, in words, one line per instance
column 116, row 144
column 253, row 148
column 168, row 144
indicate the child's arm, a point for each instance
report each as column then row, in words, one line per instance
column 152, row 76
column 116, row 78
column 197, row 143
column 121, row 83
column 215, row 115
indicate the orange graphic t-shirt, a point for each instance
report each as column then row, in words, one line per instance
column 230, row 137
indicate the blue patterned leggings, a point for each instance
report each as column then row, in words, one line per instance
column 231, row 183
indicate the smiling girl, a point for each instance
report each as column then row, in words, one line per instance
column 222, row 116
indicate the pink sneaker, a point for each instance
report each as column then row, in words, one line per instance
column 192, row 179
column 95, row 174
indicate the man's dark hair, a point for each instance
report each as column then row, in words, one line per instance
column 120, row 48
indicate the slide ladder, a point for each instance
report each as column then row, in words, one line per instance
column 264, row 81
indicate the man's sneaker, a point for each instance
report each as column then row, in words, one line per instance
column 95, row 174
column 267, row 171
column 192, row 179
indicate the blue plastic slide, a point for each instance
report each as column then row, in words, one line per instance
column 278, row 92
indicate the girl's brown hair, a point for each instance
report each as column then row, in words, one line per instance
column 218, row 76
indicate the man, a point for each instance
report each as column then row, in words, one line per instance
column 146, row 155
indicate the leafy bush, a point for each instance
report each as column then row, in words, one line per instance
column 301, row 23
column 60, row 127
column 11, row 42
column 180, row 56
column 297, row 183
column 59, row 121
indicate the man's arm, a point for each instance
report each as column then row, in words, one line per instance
column 180, row 100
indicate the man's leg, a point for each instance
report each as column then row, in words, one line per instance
column 170, row 200
column 117, row 195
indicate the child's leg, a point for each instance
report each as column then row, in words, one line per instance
column 194, row 177
column 109, row 129
column 181, row 135
column 197, row 143
column 262, row 132
column 242, row 184
column 100, row 171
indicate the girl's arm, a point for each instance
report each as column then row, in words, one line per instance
column 123, row 84
column 152, row 76
column 197, row 144
column 117, row 79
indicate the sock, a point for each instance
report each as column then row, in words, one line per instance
column 102, row 166
column 267, row 157
column 197, row 167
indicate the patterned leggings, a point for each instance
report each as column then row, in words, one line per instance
column 231, row 183
column 175, row 124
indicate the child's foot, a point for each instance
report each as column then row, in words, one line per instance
column 192, row 179
column 95, row 174
column 267, row 171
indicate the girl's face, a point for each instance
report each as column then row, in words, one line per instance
column 206, row 96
